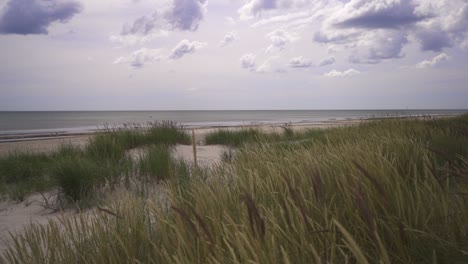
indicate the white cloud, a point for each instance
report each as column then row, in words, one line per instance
column 248, row 61
column 185, row 47
column 347, row 73
column 228, row 38
column 132, row 40
column 282, row 18
column 279, row 39
column 326, row 62
column 253, row 8
column 434, row 62
column 230, row 21
column 139, row 58
column 300, row 62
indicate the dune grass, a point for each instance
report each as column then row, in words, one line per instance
column 392, row 191
column 78, row 172
column 234, row 138
column 237, row 138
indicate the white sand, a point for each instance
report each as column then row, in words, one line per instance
column 14, row 217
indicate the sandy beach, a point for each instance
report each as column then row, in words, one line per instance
column 14, row 216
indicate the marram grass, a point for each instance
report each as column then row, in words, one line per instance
column 78, row 171
column 393, row 191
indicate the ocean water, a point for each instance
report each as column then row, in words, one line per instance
column 85, row 121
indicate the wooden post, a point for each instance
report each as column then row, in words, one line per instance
column 194, row 144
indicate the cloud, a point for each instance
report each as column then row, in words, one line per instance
column 185, row 47
column 434, row 39
column 228, row 38
column 143, row 25
column 300, row 62
column 253, row 8
column 377, row 45
column 35, row 16
column 139, row 58
column 445, row 30
column 248, row 61
column 434, row 62
column 230, row 21
column 279, row 39
column 186, row 14
column 270, row 65
column 347, row 73
column 131, row 40
column 378, row 30
column 326, row 62
column 378, row 14
column 183, row 15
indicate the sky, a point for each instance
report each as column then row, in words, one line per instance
column 233, row 54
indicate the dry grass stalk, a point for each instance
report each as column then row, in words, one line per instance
column 362, row 206
column 185, row 218
column 299, row 203
column 203, row 226
column 107, row 211
column 257, row 224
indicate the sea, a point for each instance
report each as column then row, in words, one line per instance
column 69, row 122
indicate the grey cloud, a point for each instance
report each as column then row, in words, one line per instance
column 444, row 31
column 186, row 14
column 376, row 46
column 35, row 16
column 378, row 30
column 300, row 62
column 143, row 25
column 378, row 14
column 434, row 40
column 326, row 62
column 185, row 47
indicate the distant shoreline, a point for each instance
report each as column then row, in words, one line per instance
column 64, row 133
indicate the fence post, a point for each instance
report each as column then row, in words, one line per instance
column 194, row 144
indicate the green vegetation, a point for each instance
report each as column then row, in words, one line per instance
column 235, row 138
column 22, row 173
column 79, row 172
column 390, row 191
column 156, row 163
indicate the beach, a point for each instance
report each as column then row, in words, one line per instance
column 15, row 216
column 214, row 155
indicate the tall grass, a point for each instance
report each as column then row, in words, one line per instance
column 375, row 193
column 72, row 169
column 235, row 138
column 21, row 173
column 156, row 163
